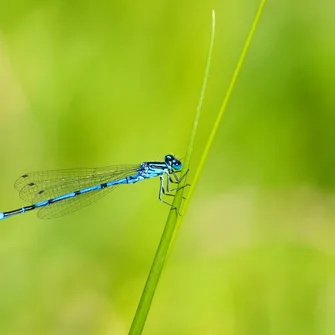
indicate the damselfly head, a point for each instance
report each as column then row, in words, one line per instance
column 173, row 162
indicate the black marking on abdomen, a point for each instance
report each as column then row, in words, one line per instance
column 19, row 210
column 103, row 185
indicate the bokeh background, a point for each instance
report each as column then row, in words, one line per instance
column 95, row 83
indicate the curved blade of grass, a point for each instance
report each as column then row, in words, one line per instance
column 174, row 220
column 220, row 114
column 170, row 226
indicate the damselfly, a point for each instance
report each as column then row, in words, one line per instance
column 60, row 192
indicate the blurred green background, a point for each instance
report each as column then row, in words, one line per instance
column 95, row 83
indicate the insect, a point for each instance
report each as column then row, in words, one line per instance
column 60, row 192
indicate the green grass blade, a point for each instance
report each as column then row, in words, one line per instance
column 221, row 112
column 170, row 226
column 174, row 220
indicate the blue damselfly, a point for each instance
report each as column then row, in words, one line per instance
column 60, row 192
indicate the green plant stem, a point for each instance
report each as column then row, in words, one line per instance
column 174, row 220
column 220, row 114
column 170, row 226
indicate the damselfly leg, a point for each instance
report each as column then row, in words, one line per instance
column 167, row 191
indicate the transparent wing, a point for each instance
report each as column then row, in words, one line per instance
column 70, row 205
column 38, row 186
